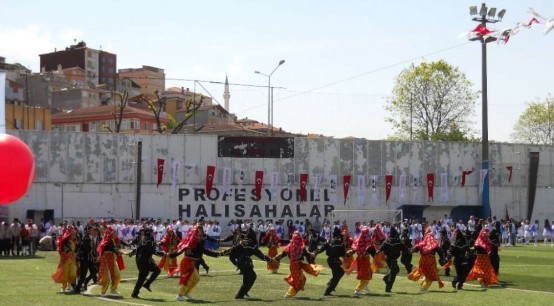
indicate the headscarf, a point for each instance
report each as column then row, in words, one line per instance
column 378, row 234
column 296, row 246
column 459, row 238
column 483, row 241
column 191, row 240
column 108, row 233
column 363, row 242
column 65, row 235
column 394, row 233
column 271, row 234
column 428, row 244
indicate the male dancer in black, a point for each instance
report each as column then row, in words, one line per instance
column 494, row 236
column 459, row 251
column 444, row 244
column 88, row 259
column 246, row 247
column 393, row 247
column 235, row 237
column 200, row 260
column 312, row 242
column 406, row 258
column 334, row 249
column 145, row 248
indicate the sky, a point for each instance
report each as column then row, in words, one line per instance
column 341, row 57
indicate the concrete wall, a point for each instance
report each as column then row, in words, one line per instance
column 82, row 175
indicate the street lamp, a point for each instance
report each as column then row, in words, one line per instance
column 270, row 97
column 485, row 15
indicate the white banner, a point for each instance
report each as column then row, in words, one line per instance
column 177, row 164
column 415, row 192
column 374, row 192
column 444, row 187
column 484, row 173
column 317, row 186
column 3, row 102
column 227, row 179
column 242, row 177
column 274, row 184
column 361, row 189
column 402, row 186
column 333, row 183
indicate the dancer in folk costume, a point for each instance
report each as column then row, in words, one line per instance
column 109, row 271
column 362, row 247
column 169, row 243
column 459, row 251
column 296, row 251
column 377, row 238
column 348, row 241
column 482, row 269
column 66, row 273
column 392, row 248
column 193, row 247
column 88, row 258
column 427, row 262
column 312, row 242
column 335, row 249
column 272, row 241
column 247, row 247
column 494, row 236
column 444, row 244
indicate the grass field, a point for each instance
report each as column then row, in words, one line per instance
column 526, row 278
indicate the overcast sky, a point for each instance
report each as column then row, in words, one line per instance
column 342, row 57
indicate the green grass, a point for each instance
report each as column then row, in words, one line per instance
column 526, row 275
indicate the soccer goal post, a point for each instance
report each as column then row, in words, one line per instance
column 367, row 215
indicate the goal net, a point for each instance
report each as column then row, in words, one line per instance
column 365, row 216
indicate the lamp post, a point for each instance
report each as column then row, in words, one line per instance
column 270, row 97
column 483, row 16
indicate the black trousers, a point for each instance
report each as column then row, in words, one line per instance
column 462, row 269
column 201, row 262
column 495, row 262
column 337, row 274
column 15, row 245
column 442, row 262
column 406, row 260
column 390, row 277
column 248, row 278
column 144, row 270
column 84, row 267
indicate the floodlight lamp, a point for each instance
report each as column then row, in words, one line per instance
column 281, row 62
column 473, row 10
column 501, row 14
column 483, row 11
column 492, row 12
column 256, row 72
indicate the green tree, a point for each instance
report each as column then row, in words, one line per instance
column 535, row 125
column 432, row 101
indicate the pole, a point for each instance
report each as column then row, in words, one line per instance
column 27, row 98
column 2, row 102
column 61, row 183
column 139, row 178
column 272, row 111
column 269, row 105
column 411, row 116
column 485, row 125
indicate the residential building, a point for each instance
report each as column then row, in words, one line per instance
column 101, row 119
column 80, row 97
column 128, row 85
column 150, row 79
column 100, row 66
column 23, row 117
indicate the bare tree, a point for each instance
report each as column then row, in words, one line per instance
column 119, row 109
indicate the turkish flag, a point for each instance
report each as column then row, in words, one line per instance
column 388, row 184
column 209, row 179
column 303, row 184
column 346, row 186
column 430, row 186
column 510, row 168
column 160, row 171
column 259, row 183
column 464, row 173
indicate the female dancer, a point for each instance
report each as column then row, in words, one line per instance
column 427, row 262
column 272, row 241
column 362, row 246
column 67, row 266
column 108, row 251
column 482, row 268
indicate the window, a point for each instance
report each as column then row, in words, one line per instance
column 39, row 126
column 18, row 123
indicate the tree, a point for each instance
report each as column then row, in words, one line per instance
column 158, row 107
column 535, row 125
column 432, row 101
column 119, row 108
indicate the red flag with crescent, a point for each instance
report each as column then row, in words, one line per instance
column 510, row 168
column 388, row 184
column 209, row 179
column 464, row 173
column 259, row 183
column 346, row 186
column 430, row 185
column 303, row 184
column 160, row 171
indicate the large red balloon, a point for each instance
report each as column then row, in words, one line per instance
column 17, row 168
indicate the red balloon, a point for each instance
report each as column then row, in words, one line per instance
column 17, row 168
